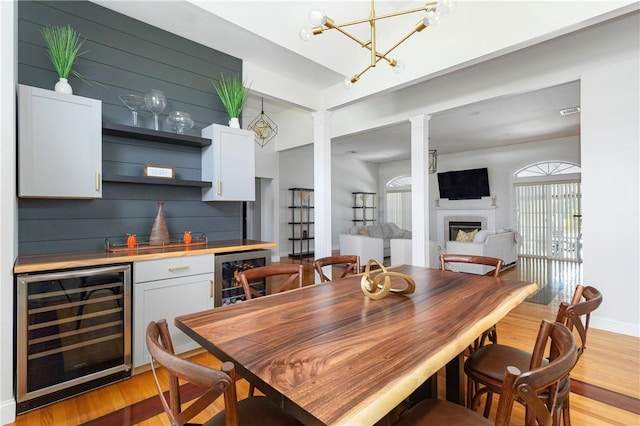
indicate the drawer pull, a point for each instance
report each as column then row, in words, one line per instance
column 219, row 187
column 178, row 268
column 210, row 288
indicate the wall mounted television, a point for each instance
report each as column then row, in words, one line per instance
column 464, row 184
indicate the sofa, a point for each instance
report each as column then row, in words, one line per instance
column 373, row 241
column 501, row 243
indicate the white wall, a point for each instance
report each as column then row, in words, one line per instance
column 296, row 171
column 8, row 206
column 349, row 175
column 611, row 182
column 501, row 163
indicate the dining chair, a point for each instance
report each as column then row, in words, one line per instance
column 350, row 262
column 294, row 279
column 525, row 386
column 485, row 367
column 491, row 334
column 256, row 410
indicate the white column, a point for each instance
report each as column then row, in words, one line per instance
column 420, row 190
column 322, row 182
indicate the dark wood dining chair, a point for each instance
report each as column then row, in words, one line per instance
column 292, row 272
column 255, row 410
column 491, row 334
column 485, row 367
column 351, row 264
column 524, row 386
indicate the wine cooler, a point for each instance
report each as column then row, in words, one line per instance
column 73, row 333
column 227, row 266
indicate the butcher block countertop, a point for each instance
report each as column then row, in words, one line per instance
column 47, row 262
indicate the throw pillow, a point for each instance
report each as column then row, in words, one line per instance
column 466, row 236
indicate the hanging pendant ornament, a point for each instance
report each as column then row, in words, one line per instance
column 375, row 289
column 264, row 127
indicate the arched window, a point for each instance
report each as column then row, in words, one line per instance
column 398, row 201
column 548, row 168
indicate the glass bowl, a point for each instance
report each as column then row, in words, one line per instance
column 180, row 121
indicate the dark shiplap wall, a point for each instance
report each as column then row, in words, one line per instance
column 126, row 56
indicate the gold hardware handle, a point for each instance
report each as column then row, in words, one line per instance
column 178, row 268
column 210, row 288
column 219, row 187
column 97, row 181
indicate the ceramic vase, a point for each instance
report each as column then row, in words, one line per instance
column 234, row 123
column 63, row 86
column 159, row 231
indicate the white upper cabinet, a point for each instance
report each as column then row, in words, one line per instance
column 59, row 145
column 229, row 163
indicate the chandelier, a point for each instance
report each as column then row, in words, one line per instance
column 264, row 127
column 321, row 23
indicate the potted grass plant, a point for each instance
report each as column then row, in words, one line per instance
column 233, row 93
column 63, row 44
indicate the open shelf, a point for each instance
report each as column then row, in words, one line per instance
column 140, row 133
column 155, row 181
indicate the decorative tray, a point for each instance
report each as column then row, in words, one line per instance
column 173, row 243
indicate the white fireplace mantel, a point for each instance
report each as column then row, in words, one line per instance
column 489, row 214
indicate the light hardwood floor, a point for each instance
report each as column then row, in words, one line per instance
column 608, row 375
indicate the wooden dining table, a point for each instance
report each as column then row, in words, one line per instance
column 330, row 355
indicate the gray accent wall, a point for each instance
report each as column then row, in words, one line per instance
column 126, row 56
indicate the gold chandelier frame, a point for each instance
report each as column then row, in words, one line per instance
column 432, row 9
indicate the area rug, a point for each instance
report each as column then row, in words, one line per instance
column 545, row 294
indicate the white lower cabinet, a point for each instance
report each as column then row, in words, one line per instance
column 167, row 288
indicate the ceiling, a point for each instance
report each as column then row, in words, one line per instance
column 493, row 123
column 324, row 63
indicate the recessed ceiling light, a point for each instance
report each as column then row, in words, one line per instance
column 569, row 111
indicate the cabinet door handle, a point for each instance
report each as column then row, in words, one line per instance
column 219, row 187
column 178, row 268
column 210, row 288
column 97, row 181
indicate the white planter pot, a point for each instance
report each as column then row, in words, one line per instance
column 63, row 86
column 234, row 122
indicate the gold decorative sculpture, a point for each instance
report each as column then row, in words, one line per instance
column 374, row 289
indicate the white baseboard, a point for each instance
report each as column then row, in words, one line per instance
column 8, row 411
column 614, row 326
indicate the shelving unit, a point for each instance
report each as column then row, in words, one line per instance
column 364, row 208
column 301, row 208
column 154, row 136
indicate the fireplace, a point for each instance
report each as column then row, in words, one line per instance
column 486, row 217
column 453, row 224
